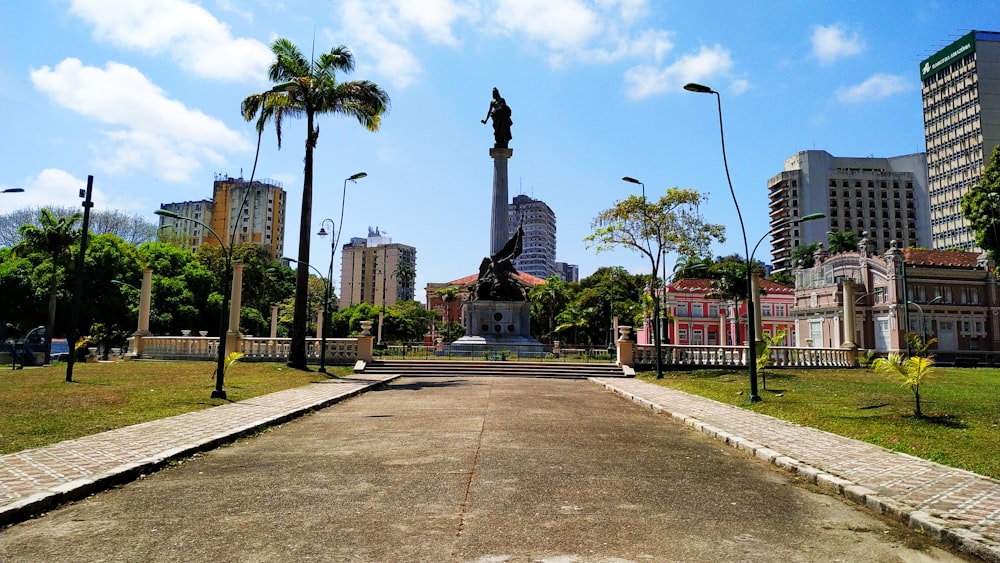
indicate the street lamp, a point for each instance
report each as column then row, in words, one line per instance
column 328, row 290
column 227, row 252
column 923, row 321
column 652, row 281
column 751, row 328
column 334, row 242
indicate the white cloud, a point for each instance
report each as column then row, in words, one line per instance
column 391, row 58
column 153, row 132
column 831, row 42
column 709, row 62
column 197, row 41
column 875, row 88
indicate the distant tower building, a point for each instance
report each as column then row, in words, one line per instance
column 254, row 212
column 568, row 272
column 883, row 197
column 538, row 256
column 370, row 271
column 961, row 99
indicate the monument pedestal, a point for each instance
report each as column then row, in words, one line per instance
column 491, row 325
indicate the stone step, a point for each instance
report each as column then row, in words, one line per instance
column 492, row 368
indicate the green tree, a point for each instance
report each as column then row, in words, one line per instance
column 549, row 298
column 309, row 88
column 449, row 294
column 802, row 255
column 21, row 306
column 692, row 267
column 405, row 273
column 981, row 208
column 838, row 242
column 673, row 223
column 574, row 318
column 54, row 239
column 910, row 371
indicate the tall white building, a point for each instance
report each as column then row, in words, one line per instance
column 883, row 197
column 961, row 101
column 538, row 256
column 370, row 268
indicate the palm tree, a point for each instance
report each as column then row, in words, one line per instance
column 550, row 297
column 405, row 273
column 692, row 267
column 841, row 241
column 448, row 294
column 911, row 371
column 310, row 88
column 54, row 236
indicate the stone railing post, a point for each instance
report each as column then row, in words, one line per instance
column 366, row 343
column 625, row 347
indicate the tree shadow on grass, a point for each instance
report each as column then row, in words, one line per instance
column 945, row 420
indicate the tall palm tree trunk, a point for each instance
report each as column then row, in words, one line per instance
column 297, row 354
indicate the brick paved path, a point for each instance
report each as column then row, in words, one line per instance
column 35, row 480
column 959, row 507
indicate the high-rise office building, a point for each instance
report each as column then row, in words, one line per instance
column 370, row 271
column 961, row 101
column 883, row 197
column 538, row 254
column 238, row 211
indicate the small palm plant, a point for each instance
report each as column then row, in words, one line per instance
column 764, row 350
column 911, row 371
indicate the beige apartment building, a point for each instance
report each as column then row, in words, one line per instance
column 370, row 271
column 238, row 211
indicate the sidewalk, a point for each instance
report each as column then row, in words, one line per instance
column 36, row 480
column 958, row 507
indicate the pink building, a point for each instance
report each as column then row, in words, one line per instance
column 693, row 318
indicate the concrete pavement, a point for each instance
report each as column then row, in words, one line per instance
column 960, row 508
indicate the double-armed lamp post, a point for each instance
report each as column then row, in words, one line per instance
column 227, row 252
column 751, row 320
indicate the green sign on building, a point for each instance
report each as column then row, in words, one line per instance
column 948, row 55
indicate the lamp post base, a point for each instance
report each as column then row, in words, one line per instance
column 218, row 394
column 755, row 399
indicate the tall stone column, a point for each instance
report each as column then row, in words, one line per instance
column 233, row 336
column 144, row 299
column 319, row 323
column 137, row 340
column 274, row 321
column 722, row 328
column 849, row 315
column 499, row 229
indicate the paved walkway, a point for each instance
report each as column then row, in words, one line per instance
column 959, row 507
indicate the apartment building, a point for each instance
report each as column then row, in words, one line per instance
column 881, row 199
column 238, row 212
column 961, row 105
column 538, row 254
column 373, row 271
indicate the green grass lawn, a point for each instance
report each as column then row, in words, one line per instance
column 961, row 407
column 38, row 407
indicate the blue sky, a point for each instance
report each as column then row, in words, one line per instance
column 145, row 96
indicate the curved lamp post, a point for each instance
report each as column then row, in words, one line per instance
column 220, row 369
column 751, row 328
column 652, row 284
column 328, row 289
column 923, row 321
column 12, row 190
